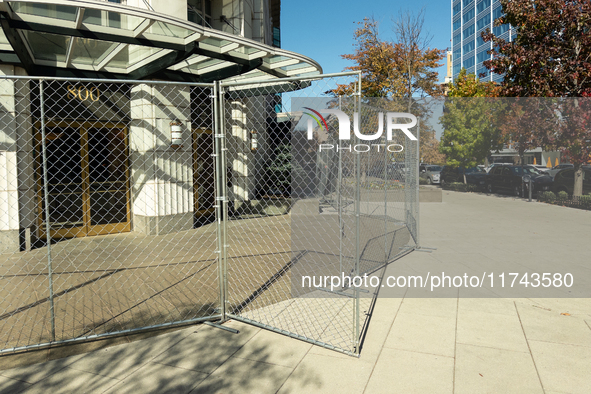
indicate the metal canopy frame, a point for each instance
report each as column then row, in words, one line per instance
column 164, row 47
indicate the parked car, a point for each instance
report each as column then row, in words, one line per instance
column 396, row 171
column 493, row 165
column 559, row 167
column 431, row 173
column 541, row 168
column 564, row 180
column 474, row 175
column 511, row 179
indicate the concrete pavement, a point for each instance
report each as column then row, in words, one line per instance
column 412, row 345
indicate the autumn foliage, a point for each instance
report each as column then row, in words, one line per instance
column 384, row 65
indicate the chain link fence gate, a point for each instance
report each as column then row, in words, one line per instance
column 129, row 205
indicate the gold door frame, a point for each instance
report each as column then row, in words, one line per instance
column 197, row 209
column 86, row 229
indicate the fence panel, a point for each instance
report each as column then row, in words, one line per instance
column 109, row 194
column 303, row 205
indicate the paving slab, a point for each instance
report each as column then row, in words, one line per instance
column 551, row 326
column 327, row 374
column 14, row 386
column 158, row 379
column 486, row 370
column 411, row 372
column 285, row 353
column 120, row 361
column 498, row 331
column 244, row 376
column 208, row 348
column 563, row 368
column 71, row 381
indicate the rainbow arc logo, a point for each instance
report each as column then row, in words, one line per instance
column 318, row 118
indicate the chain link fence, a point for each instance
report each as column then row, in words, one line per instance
column 129, row 205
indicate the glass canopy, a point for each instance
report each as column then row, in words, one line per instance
column 107, row 39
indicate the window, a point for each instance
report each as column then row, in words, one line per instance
column 469, row 62
column 457, row 68
column 482, row 56
column 481, row 6
column 483, row 22
column 457, row 54
column 482, row 72
column 479, row 41
column 469, row 46
column 497, row 13
column 276, row 37
column 199, row 11
column 469, row 31
column 498, row 30
column 457, row 39
column 468, row 15
column 457, row 9
column 467, row 2
column 457, row 24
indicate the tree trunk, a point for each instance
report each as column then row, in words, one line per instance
column 578, row 190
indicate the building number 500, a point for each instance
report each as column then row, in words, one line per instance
column 82, row 93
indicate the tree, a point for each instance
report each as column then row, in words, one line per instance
column 404, row 68
column 527, row 123
column 551, row 55
column 468, row 85
column 575, row 127
column 416, row 62
column 376, row 60
column 470, row 130
column 430, row 152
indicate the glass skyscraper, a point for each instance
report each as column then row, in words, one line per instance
column 470, row 18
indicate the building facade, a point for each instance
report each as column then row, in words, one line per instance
column 469, row 18
column 136, row 156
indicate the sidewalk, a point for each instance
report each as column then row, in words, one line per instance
column 413, row 345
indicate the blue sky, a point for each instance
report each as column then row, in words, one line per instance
column 323, row 29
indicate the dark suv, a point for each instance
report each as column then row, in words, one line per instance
column 564, row 180
column 512, row 179
column 474, row 175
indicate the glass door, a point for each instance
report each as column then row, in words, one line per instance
column 87, row 178
column 107, row 181
column 65, row 183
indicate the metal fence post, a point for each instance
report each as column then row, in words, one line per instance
column 340, row 202
column 220, row 194
column 46, row 202
column 357, row 224
column 417, row 172
column 222, row 130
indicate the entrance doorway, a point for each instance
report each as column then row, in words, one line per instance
column 87, row 179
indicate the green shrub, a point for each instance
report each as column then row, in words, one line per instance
column 548, row 197
column 282, row 171
column 585, row 201
column 460, row 187
column 562, row 195
column 423, row 181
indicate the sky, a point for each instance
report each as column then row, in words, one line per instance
column 323, row 29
